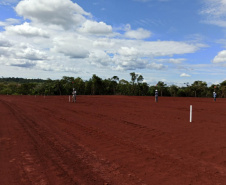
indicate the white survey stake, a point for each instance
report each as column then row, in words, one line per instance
column 190, row 113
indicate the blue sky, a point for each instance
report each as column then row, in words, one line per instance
column 175, row 41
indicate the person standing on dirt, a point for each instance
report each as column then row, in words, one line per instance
column 156, row 95
column 74, row 95
column 214, row 96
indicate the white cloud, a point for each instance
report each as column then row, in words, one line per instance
column 46, row 43
column 4, row 42
column 104, row 43
column 215, row 13
column 185, row 75
column 9, row 21
column 26, row 30
column 220, row 58
column 172, row 60
column 72, row 46
column 140, row 33
column 214, row 7
column 22, row 51
column 57, row 67
column 73, row 51
column 23, row 64
column 100, row 58
column 154, row 66
column 93, row 27
column 128, row 51
column 167, row 48
column 222, row 42
column 63, row 13
column 30, row 54
column 220, row 23
column 8, row 2
column 129, row 63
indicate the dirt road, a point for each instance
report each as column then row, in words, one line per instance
column 115, row 140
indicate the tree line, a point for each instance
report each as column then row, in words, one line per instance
column 110, row 86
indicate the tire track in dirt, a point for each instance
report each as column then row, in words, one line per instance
column 159, row 155
column 104, row 166
column 92, row 132
column 156, row 154
column 51, row 152
column 7, row 145
column 200, row 166
column 131, row 160
column 27, row 162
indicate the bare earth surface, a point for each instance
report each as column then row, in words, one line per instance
column 115, row 140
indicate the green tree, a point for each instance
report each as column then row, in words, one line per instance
column 79, row 85
column 97, row 85
column 124, row 87
column 182, row 92
column 67, row 84
column 88, row 87
column 26, row 88
column 140, row 79
column 173, row 90
column 114, row 84
column 58, row 87
column 199, row 88
column 161, row 87
column 133, row 80
column 223, row 89
column 133, row 77
column 144, row 89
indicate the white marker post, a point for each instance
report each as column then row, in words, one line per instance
column 190, row 113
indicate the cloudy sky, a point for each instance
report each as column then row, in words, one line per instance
column 175, row 41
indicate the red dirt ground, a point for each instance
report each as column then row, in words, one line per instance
column 115, row 140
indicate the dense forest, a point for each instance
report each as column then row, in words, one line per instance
column 111, row 86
